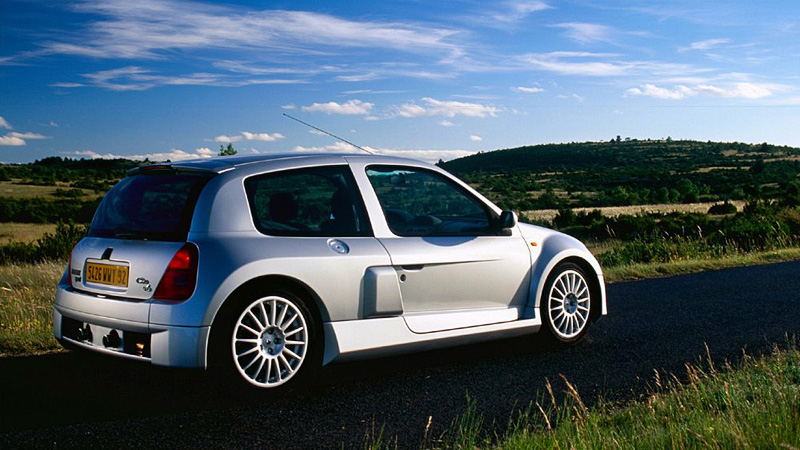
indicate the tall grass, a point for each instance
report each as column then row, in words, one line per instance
column 755, row 405
column 26, row 307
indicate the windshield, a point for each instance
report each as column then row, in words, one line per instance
column 151, row 207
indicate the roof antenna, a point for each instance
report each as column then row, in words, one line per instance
column 329, row 134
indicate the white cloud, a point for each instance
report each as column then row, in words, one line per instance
column 425, row 155
column 11, row 141
column 350, row 107
column 246, row 135
column 4, row 123
column 705, row 45
column 587, row 33
column 527, row 90
column 156, row 29
column 135, row 78
column 174, row 154
column 222, row 138
column 266, row 137
column 356, row 78
column 288, row 107
column 444, row 108
column 16, row 139
column 27, row 135
column 516, row 10
column 744, row 90
column 446, row 123
column 475, row 138
column 601, row 65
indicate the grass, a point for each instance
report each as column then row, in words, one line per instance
column 24, row 232
column 660, row 269
column 755, row 405
column 14, row 190
column 26, row 307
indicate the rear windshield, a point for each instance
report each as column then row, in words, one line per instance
column 151, row 207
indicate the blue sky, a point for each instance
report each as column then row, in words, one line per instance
column 429, row 79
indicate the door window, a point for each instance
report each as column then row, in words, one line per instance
column 319, row 201
column 419, row 202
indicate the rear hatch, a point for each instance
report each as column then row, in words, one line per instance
column 137, row 231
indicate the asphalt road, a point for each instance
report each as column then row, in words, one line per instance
column 77, row 401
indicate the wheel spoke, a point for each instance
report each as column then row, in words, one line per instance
column 252, row 361
column 255, row 319
column 257, row 333
column 293, row 332
column 252, row 349
column 285, row 324
column 287, row 341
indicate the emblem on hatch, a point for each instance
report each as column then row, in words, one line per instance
column 145, row 284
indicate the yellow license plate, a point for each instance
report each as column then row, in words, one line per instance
column 109, row 274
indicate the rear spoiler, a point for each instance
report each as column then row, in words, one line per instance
column 207, row 167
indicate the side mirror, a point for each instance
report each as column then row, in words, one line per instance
column 507, row 220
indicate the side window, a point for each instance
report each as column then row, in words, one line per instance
column 419, row 202
column 319, row 201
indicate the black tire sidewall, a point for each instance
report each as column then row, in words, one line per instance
column 551, row 334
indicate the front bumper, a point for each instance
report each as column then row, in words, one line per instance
column 163, row 345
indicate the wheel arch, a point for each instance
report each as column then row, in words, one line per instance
column 558, row 249
column 263, row 283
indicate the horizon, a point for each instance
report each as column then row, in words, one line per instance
column 175, row 79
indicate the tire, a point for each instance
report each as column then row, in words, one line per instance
column 268, row 341
column 566, row 304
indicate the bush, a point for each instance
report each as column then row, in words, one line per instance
column 51, row 246
column 723, row 208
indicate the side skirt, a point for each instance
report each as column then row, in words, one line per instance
column 370, row 338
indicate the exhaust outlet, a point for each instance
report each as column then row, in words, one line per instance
column 112, row 339
column 84, row 334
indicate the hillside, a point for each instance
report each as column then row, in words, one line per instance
column 630, row 172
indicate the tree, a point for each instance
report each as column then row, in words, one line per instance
column 227, row 151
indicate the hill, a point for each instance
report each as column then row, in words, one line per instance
column 630, row 172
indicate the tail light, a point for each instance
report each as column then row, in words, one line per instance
column 180, row 278
column 69, row 265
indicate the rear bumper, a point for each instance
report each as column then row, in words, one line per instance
column 163, row 345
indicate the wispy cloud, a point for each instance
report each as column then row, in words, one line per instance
column 587, row 33
column 350, row 107
column 705, row 45
column 4, row 123
column 512, row 11
column 433, row 107
column 475, row 138
column 153, row 29
column 135, row 78
column 743, row 90
column 425, row 155
column 246, row 135
column 601, row 65
column 174, row 154
column 527, row 90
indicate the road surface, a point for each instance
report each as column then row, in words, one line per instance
column 77, row 401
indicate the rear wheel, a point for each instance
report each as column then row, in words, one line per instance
column 566, row 303
column 270, row 340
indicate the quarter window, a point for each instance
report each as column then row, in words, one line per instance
column 419, row 202
column 320, row 201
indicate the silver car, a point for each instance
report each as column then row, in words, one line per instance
column 267, row 267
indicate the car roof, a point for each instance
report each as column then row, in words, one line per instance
column 227, row 163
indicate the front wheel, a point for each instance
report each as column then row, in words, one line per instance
column 270, row 341
column 566, row 303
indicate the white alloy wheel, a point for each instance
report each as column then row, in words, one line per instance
column 568, row 303
column 270, row 341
